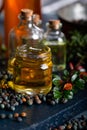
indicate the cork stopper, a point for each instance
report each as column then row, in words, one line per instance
column 26, row 14
column 36, row 19
column 54, row 24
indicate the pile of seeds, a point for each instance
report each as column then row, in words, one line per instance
column 79, row 123
column 10, row 99
column 5, row 78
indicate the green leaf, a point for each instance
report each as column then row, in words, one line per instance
column 85, row 78
column 66, row 73
column 57, row 94
column 74, row 77
column 77, row 47
column 56, row 81
column 55, row 89
column 56, row 76
column 80, row 84
column 66, row 93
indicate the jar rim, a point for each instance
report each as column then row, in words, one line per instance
column 38, row 53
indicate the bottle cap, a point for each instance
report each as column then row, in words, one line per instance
column 55, row 24
column 26, row 14
column 36, row 19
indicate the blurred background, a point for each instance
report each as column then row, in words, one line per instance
column 72, row 13
column 49, row 10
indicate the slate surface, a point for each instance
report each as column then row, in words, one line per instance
column 42, row 117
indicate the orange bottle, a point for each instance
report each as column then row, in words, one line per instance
column 13, row 7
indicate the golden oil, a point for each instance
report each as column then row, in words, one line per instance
column 56, row 40
column 32, row 70
column 58, row 50
column 11, row 65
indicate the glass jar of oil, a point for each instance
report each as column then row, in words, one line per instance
column 33, row 69
column 55, row 39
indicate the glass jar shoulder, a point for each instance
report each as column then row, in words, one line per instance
column 55, row 36
column 26, row 31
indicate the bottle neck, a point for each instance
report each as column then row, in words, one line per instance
column 54, row 34
column 35, row 32
column 26, row 22
column 53, row 31
column 54, row 26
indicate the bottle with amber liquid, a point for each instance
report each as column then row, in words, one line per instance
column 55, row 39
column 19, row 35
column 12, row 9
column 31, row 59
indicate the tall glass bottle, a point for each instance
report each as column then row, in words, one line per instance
column 30, row 61
column 55, row 39
column 36, row 20
column 12, row 9
column 19, row 35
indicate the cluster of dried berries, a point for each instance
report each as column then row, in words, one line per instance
column 69, row 83
column 79, row 123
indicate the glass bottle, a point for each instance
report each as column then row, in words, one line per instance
column 19, row 35
column 36, row 20
column 12, row 9
column 55, row 39
column 32, row 64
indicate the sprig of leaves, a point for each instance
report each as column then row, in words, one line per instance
column 77, row 48
column 65, row 86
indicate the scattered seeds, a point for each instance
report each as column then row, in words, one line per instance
column 23, row 114
column 2, row 115
column 16, row 115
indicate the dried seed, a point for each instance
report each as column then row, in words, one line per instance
column 2, row 106
column 23, row 114
column 10, row 116
column 19, row 119
column 37, row 99
column 24, row 99
column 12, row 108
column 30, row 101
column 2, row 115
column 16, row 115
